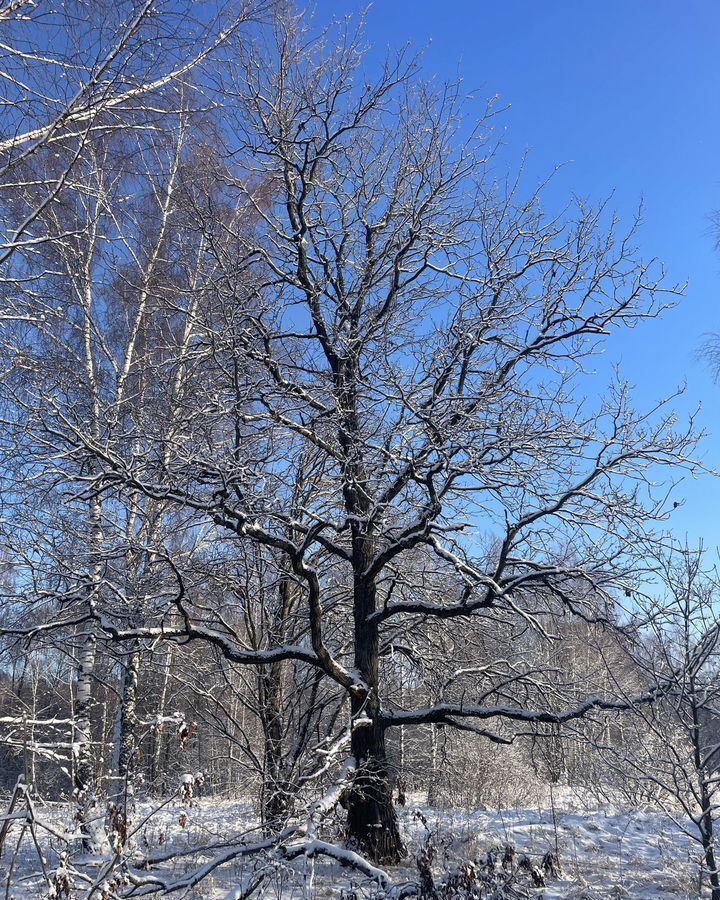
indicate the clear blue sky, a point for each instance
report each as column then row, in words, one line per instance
column 629, row 91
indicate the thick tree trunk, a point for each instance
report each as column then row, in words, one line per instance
column 372, row 822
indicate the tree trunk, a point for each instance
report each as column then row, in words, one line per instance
column 432, row 793
column 708, row 842
column 123, row 792
column 712, row 869
column 89, row 816
column 157, row 787
column 276, row 792
column 706, row 823
column 372, row 822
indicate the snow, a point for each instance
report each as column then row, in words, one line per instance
column 361, row 721
column 606, row 851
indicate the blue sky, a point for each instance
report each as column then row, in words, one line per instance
column 628, row 93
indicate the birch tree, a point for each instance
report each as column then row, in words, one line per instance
column 72, row 71
column 82, row 360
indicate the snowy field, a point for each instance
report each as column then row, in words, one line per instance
column 605, row 853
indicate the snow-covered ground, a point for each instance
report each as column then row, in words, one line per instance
column 605, row 852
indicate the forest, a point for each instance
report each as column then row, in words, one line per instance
column 328, row 568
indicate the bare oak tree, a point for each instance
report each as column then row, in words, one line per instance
column 327, row 270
